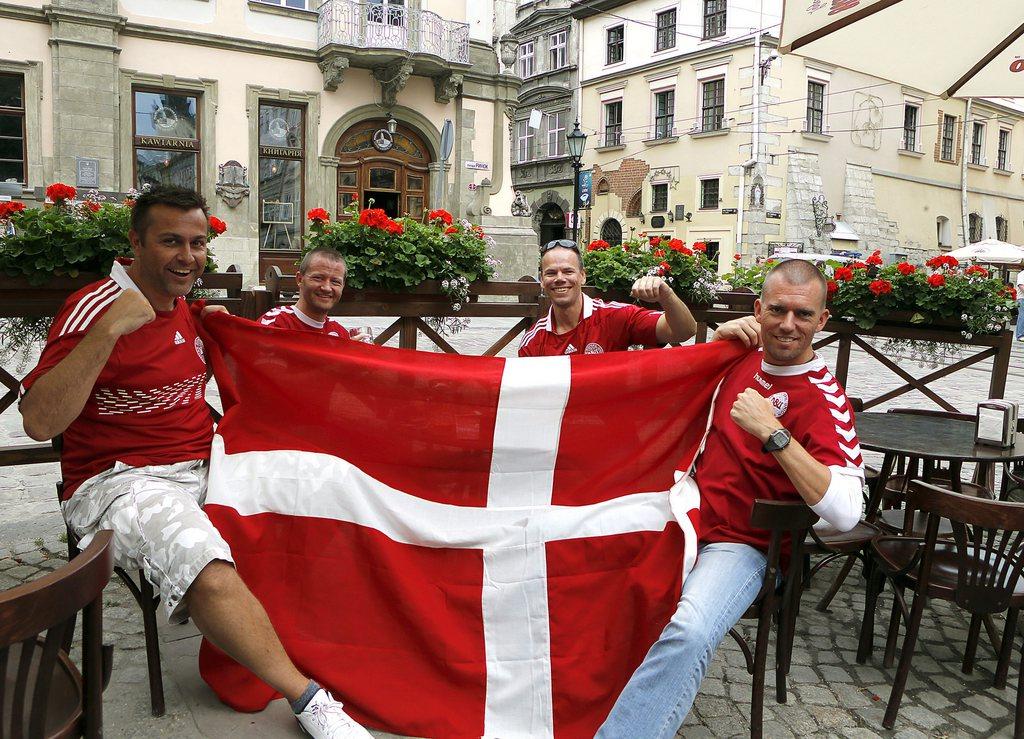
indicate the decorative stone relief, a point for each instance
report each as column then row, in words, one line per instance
column 555, row 168
column 520, row 205
column 392, row 79
column 446, row 87
column 479, row 204
column 333, row 70
column 232, row 185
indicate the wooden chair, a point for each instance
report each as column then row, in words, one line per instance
column 979, row 569
column 777, row 599
column 42, row 693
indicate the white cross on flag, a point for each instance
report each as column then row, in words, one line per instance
column 456, row 546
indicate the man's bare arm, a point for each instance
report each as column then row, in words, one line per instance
column 56, row 398
column 677, row 323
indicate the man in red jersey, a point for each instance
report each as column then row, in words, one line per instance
column 579, row 324
column 321, row 279
column 782, row 429
column 123, row 378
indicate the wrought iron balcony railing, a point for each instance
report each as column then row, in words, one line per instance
column 378, row 26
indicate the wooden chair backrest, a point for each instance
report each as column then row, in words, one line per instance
column 782, row 519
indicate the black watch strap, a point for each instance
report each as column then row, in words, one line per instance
column 777, row 441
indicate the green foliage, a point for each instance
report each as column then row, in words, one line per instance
column 687, row 270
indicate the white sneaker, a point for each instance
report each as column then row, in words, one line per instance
column 323, row 718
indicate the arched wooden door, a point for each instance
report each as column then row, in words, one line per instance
column 396, row 180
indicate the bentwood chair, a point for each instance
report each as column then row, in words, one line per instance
column 979, row 569
column 42, row 693
column 777, row 600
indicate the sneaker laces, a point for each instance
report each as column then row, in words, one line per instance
column 328, row 714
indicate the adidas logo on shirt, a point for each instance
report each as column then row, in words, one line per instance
column 178, row 338
column 570, row 349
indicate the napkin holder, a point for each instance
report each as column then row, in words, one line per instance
column 996, row 423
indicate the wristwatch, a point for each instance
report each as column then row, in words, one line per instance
column 777, row 441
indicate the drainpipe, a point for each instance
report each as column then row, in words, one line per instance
column 755, row 135
column 965, row 218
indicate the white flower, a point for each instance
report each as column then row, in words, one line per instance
column 456, row 306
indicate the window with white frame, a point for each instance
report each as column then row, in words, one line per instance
column 911, row 119
column 526, row 59
column 659, row 197
column 559, row 43
column 712, row 105
column 709, row 193
column 297, row 4
column 978, row 143
column 666, row 30
column 13, row 157
column 524, row 141
column 714, row 18
column 664, row 113
column 616, row 41
column 947, row 149
column 613, row 123
column 1003, row 152
column 556, row 133
column 815, row 122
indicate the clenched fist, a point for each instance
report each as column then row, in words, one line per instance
column 745, row 329
column 128, row 313
column 650, row 289
column 755, row 414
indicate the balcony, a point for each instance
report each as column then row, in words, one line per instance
column 376, row 34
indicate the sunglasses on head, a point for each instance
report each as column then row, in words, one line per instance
column 560, row 244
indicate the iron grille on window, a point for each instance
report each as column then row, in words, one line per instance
column 1002, row 229
column 666, row 30
column 1003, row 154
column 613, row 123
column 815, row 107
column 616, row 44
column 659, row 198
column 974, row 224
column 709, row 194
column 910, row 127
column 712, row 105
column 948, row 131
column 714, row 18
column 977, row 143
column 664, row 113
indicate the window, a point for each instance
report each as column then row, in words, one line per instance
column 714, row 18
column 910, row 113
column 298, row 4
column 659, row 198
column 633, row 205
column 709, row 194
column 948, row 134
column 815, row 106
column 602, row 187
column 611, row 231
column 664, row 113
column 974, row 223
column 943, row 231
column 712, row 108
column 1003, row 153
column 616, row 44
column 978, row 143
column 526, row 58
column 281, row 175
column 558, row 49
column 166, row 138
column 556, row 134
column 613, row 123
column 524, row 140
column 12, row 128
column 666, row 38
column 1002, row 229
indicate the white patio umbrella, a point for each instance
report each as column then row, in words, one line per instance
column 991, row 251
column 966, row 48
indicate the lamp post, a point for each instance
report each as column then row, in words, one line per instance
column 576, row 141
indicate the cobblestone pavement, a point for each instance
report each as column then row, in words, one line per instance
column 830, row 695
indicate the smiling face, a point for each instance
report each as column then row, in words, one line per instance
column 170, row 254
column 790, row 315
column 562, row 277
column 320, row 286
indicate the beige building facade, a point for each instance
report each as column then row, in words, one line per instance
column 269, row 108
column 684, row 143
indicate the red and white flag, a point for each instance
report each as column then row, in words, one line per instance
column 456, row 546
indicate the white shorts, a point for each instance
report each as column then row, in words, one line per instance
column 158, row 522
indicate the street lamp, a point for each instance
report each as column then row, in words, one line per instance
column 576, row 141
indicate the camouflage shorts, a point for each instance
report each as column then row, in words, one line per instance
column 158, row 523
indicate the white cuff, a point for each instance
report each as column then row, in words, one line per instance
column 841, row 506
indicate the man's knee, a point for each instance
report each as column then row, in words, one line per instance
column 216, row 581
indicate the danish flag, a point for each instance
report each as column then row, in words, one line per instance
column 456, row 546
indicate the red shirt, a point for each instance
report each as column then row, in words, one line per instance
column 603, row 327
column 148, row 403
column 732, row 471
column 288, row 316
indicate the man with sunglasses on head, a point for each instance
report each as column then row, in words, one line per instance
column 579, row 324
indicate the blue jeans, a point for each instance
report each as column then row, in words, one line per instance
column 1020, row 318
column 723, row 583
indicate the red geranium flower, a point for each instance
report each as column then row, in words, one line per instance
column 318, row 215
column 1010, row 292
column 906, row 268
column 440, row 215
column 394, row 228
column 664, row 268
column 451, row 230
column 875, row 258
column 676, row 244
column 880, row 287
column 943, row 260
column 845, row 274
column 833, row 288
column 700, row 246
column 936, row 280
column 478, row 231
column 659, row 253
column 92, row 206
column 737, row 257
column 217, row 225
column 655, row 241
column 8, row 209
column 976, row 269
column 859, row 265
column 59, row 191
column 597, row 245
column 373, row 217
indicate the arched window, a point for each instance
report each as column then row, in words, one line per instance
column 602, row 187
column 611, row 231
column 975, row 224
column 1002, row 229
column 633, row 205
column 943, row 232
